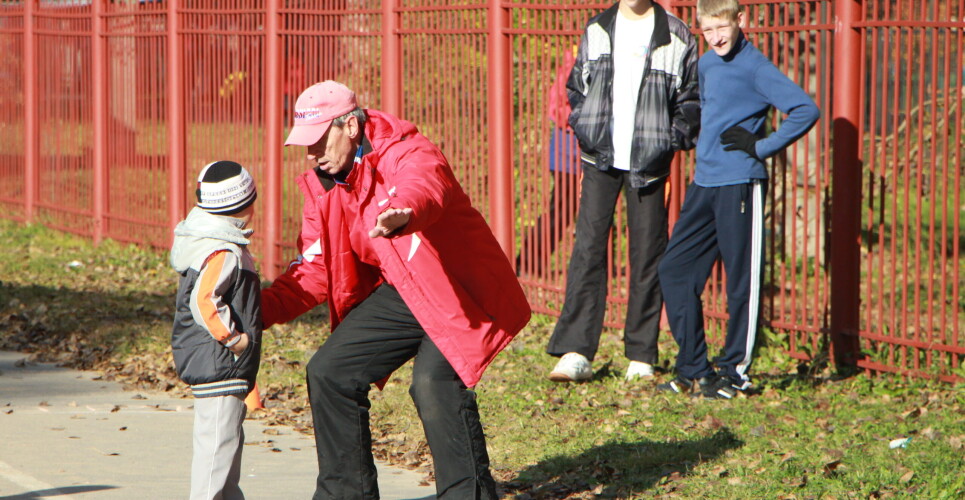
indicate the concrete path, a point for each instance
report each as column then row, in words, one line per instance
column 64, row 434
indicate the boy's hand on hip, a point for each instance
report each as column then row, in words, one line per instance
column 738, row 138
column 241, row 345
column 389, row 221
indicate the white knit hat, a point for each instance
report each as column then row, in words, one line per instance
column 225, row 188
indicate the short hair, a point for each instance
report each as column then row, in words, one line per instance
column 724, row 9
column 358, row 113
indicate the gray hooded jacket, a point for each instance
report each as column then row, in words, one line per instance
column 201, row 361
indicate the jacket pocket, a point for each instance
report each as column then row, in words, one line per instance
column 201, row 360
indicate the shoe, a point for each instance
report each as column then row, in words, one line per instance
column 724, row 388
column 639, row 369
column 572, row 367
column 682, row 385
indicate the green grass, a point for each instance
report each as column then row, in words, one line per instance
column 802, row 436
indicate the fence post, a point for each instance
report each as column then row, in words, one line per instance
column 846, row 182
column 391, row 59
column 176, row 166
column 99, row 105
column 499, row 93
column 30, row 146
column 273, row 146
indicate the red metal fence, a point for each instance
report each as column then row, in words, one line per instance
column 110, row 108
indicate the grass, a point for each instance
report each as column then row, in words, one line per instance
column 806, row 434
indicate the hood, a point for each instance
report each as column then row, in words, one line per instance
column 383, row 130
column 201, row 233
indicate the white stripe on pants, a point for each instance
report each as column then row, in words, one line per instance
column 218, row 440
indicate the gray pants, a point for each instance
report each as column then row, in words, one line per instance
column 218, row 440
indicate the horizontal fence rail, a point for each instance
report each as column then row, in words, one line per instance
column 109, row 109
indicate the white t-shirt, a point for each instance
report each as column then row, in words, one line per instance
column 630, row 46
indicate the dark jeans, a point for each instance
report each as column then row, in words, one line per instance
column 375, row 339
column 581, row 321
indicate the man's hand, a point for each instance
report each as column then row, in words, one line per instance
column 389, row 221
column 738, row 138
column 241, row 345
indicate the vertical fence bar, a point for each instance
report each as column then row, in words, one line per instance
column 846, row 178
column 273, row 132
column 31, row 143
column 499, row 91
column 391, row 59
column 99, row 105
column 176, row 144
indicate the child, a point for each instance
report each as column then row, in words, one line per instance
column 722, row 214
column 217, row 326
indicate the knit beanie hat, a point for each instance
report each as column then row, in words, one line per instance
column 225, row 188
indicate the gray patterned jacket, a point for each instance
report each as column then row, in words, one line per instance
column 668, row 106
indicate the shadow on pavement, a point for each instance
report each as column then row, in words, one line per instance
column 53, row 492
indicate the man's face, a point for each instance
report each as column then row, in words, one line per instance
column 335, row 151
column 722, row 33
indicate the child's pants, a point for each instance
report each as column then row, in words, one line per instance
column 725, row 222
column 218, row 440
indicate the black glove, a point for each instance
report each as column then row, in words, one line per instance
column 738, row 138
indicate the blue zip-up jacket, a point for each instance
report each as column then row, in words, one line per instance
column 740, row 89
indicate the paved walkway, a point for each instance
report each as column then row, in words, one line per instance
column 65, row 434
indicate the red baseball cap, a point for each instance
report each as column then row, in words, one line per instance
column 315, row 109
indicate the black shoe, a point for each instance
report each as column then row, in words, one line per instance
column 723, row 387
column 678, row 385
column 682, row 385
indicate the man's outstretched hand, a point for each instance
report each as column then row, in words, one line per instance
column 389, row 221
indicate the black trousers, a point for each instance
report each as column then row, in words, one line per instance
column 581, row 321
column 375, row 339
column 725, row 222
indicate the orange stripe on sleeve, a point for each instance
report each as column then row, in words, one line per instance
column 209, row 300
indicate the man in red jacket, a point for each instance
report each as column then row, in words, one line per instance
column 409, row 269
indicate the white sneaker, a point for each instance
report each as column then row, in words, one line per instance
column 572, row 367
column 639, row 369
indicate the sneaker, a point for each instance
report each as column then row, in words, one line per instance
column 724, row 388
column 572, row 367
column 639, row 369
column 682, row 385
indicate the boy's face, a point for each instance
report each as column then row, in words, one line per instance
column 722, row 33
column 335, row 151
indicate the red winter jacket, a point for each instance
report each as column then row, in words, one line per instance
column 445, row 262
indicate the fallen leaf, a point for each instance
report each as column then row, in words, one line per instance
column 907, row 476
column 915, row 413
column 954, row 442
column 123, row 428
column 830, row 468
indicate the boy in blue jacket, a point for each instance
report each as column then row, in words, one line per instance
column 216, row 337
column 722, row 214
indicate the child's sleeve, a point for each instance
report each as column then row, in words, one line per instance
column 577, row 82
column 789, row 98
column 686, row 104
column 207, row 298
